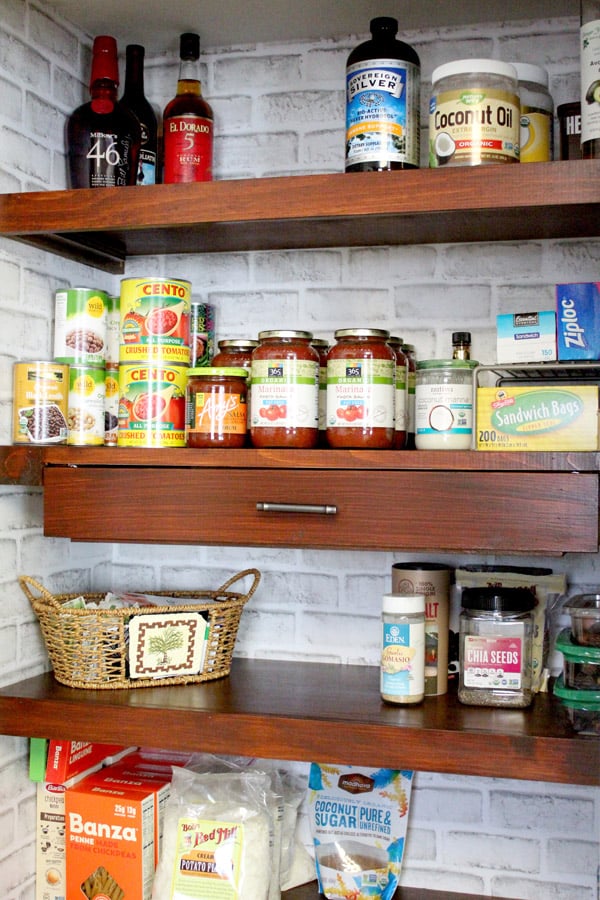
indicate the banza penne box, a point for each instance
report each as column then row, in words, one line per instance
column 537, row 418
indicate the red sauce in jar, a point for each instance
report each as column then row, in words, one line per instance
column 285, row 390
column 216, row 407
column 401, row 394
column 360, row 390
column 235, row 352
column 322, row 348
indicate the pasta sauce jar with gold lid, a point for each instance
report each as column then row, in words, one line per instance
column 361, row 388
column 285, row 390
column 216, row 407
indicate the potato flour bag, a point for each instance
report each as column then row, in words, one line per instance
column 358, row 821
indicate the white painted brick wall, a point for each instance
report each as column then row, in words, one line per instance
column 279, row 110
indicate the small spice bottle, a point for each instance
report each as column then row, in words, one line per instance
column 461, row 345
column 495, row 646
column 402, row 678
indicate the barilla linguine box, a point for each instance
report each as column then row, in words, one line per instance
column 578, row 321
column 110, row 838
column 537, row 418
column 526, row 337
column 66, row 759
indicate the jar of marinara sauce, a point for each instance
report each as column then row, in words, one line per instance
column 285, row 390
column 361, row 370
column 216, row 407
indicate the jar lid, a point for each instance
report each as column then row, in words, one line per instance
column 223, row 371
column 237, row 343
column 461, row 337
column 530, row 72
column 319, row 342
column 474, row 67
column 576, row 699
column 582, row 603
column 362, row 332
column 498, row 599
column 569, row 109
column 302, row 335
column 403, row 603
column 579, row 653
column 447, row 364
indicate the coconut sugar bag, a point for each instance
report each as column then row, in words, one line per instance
column 358, row 819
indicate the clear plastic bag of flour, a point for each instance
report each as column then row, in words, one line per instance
column 216, row 837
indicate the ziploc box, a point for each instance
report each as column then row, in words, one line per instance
column 578, row 320
column 537, row 418
column 110, row 840
column 526, row 337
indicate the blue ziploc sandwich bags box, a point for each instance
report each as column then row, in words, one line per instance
column 578, row 320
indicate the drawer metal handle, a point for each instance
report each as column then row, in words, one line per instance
column 297, row 508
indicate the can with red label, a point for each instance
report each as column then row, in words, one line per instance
column 155, row 320
column 151, row 409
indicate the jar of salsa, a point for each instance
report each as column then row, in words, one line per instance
column 360, row 390
column 401, row 395
column 322, row 347
column 216, row 407
column 237, row 352
column 285, row 390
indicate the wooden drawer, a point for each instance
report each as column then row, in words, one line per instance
column 529, row 512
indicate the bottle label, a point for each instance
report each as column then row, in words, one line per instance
column 444, row 410
column 471, row 126
column 108, row 159
column 285, row 393
column 360, row 392
column 146, row 167
column 536, row 136
column 382, row 112
column 493, row 663
column 188, row 142
column 590, row 81
column 402, row 659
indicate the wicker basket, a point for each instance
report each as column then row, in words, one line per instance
column 88, row 647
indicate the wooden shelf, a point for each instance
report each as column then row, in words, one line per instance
column 309, row 892
column 102, row 227
column 312, row 711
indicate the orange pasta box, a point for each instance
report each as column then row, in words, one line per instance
column 110, row 840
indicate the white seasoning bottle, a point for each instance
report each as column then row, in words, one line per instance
column 402, row 678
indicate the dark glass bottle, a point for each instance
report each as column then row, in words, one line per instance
column 188, row 122
column 103, row 137
column 135, row 100
column 382, row 102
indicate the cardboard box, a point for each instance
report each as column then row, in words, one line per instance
column 537, row 418
column 110, row 842
column 527, row 337
column 66, row 759
column 578, row 321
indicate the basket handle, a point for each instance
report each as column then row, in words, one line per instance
column 37, row 594
column 254, row 572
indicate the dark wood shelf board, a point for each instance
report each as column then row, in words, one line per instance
column 307, row 711
column 548, row 200
column 310, row 892
column 21, row 464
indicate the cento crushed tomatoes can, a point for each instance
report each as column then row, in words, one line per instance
column 155, row 320
column 285, row 390
column 151, row 409
column 361, row 389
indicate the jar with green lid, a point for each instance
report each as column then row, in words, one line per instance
column 444, row 404
column 495, row 646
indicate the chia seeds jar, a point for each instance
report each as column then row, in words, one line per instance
column 495, row 647
column 444, row 404
column 285, row 390
column 361, row 371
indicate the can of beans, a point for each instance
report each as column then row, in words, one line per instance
column 40, row 394
column 80, row 326
column 151, row 405
column 111, row 405
column 113, row 331
column 155, row 320
column 85, row 414
column 202, row 333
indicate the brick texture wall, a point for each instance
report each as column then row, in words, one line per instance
column 279, row 110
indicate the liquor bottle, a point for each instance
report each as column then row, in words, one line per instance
column 382, row 102
column 103, row 137
column 590, row 78
column 135, row 100
column 188, row 122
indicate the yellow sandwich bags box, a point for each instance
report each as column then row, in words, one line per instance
column 537, row 418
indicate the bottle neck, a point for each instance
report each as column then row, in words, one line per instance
column 189, row 77
column 103, row 92
column 134, row 75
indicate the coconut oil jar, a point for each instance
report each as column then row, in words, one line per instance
column 444, row 404
column 474, row 113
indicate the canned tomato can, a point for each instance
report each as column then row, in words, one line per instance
column 202, row 333
column 40, row 395
column 111, row 405
column 80, row 326
column 85, row 414
column 151, row 404
column 155, row 320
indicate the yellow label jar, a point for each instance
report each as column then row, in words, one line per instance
column 474, row 113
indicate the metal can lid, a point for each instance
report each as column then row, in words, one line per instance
column 498, row 599
column 237, row 344
column 218, row 371
column 403, row 603
column 474, row 67
column 363, row 332
column 301, row 335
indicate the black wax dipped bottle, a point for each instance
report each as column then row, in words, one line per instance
column 136, row 101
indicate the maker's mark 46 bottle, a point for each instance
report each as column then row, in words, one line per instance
column 103, row 136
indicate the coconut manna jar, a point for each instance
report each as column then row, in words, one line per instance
column 444, row 404
column 474, row 113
